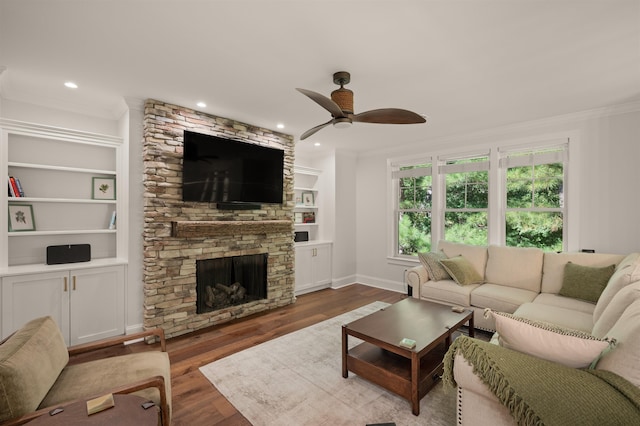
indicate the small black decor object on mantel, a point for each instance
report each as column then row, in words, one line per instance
column 68, row 253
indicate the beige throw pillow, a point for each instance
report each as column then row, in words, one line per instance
column 431, row 262
column 462, row 271
column 585, row 282
column 572, row 348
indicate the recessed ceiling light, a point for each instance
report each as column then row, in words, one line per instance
column 280, row 126
column 316, row 144
column 201, row 104
column 71, row 85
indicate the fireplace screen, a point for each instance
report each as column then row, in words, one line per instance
column 229, row 281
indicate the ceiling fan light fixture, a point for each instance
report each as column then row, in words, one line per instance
column 342, row 123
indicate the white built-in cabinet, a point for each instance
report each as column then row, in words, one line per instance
column 61, row 171
column 87, row 304
column 313, row 267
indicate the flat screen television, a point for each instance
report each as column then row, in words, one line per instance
column 222, row 170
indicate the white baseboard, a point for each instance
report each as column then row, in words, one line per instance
column 343, row 281
column 396, row 286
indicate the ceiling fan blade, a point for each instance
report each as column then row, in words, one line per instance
column 314, row 129
column 324, row 102
column 389, row 116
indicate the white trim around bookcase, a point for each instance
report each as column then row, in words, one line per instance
column 61, row 168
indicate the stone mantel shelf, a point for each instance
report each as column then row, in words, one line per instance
column 214, row 228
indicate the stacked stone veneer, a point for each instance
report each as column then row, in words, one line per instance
column 170, row 256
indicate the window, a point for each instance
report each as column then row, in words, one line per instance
column 414, row 209
column 512, row 195
column 535, row 211
column 466, row 208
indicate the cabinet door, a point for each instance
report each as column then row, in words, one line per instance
column 97, row 303
column 26, row 297
column 322, row 265
column 303, row 268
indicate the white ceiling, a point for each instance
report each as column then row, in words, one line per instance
column 467, row 65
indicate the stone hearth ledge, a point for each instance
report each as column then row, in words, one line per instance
column 212, row 228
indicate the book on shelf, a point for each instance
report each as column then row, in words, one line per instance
column 20, row 191
column 112, row 222
column 15, row 189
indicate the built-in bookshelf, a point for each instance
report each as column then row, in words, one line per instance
column 306, row 212
column 64, row 187
column 70, row 192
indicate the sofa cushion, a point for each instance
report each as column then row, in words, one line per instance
column 515, row 267
column 624, row 360
column 627, row 271
column 96, row 377
column 30, row 362
column 615, row 308
column 462, row 271
column 562, row 316
column 477, row 255
column 500, row 298
column 431, row 262
column 553, row 268
column 585, row 282
column 447, row 291
column 544, row 340
column 565, row 302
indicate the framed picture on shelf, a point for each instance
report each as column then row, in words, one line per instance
column 308, row 199
column 308, row 217
column 21, row 218
column 297, row 217
column 103, row 188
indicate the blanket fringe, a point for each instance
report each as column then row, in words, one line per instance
column 491, row 375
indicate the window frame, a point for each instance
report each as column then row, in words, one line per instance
column 497, row 185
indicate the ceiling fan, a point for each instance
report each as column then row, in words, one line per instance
column 341, row 108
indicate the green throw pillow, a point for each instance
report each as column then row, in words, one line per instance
column 431, row 262
column 585, row 282
column 462, row 271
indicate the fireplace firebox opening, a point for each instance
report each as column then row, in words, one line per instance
column 230, row 281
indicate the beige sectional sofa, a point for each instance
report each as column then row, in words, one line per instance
column 513, row 278
column 542, row 388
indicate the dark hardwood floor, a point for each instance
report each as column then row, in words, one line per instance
column 196, row 401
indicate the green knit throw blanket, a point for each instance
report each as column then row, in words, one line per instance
column 540, row 392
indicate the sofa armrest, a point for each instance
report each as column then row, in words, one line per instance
column 151, row 382
column 604, row 397
column 476, row 403
column 119, row 340
column 415, row 277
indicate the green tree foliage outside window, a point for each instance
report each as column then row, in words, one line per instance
column 467, row 205
column 414, row 213
column 535, row 202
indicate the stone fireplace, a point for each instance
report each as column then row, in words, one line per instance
column 180, row 237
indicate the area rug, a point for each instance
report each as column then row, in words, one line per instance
column 297, row 379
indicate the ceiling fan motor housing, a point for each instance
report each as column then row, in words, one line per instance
column 344, row 98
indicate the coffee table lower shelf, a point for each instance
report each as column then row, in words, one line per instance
column 393, row 372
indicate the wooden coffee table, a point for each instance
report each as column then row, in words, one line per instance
column 410, row 373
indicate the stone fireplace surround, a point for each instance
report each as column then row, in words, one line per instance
column 178, row 233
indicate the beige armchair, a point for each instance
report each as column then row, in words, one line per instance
column 36, row 373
